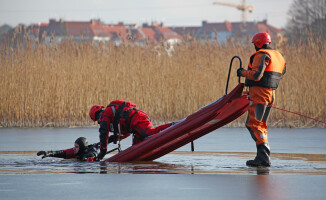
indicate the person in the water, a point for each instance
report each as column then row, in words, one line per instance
column 81, row 151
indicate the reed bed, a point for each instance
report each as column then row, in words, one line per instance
column 56, row 84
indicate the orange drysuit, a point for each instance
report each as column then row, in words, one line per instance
column 265, row 69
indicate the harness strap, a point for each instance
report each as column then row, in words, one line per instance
column 116, row 120
column 125, row 115
column 113, row 110
column 120, row 113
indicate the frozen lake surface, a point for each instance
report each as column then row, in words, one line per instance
column 216, row 170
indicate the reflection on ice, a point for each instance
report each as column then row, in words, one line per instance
column 174, row 163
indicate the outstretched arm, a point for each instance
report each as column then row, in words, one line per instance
column 58, row 154
column 67, row 153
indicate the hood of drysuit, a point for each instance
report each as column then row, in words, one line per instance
column 83, row 143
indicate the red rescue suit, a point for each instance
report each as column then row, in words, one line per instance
column 89, row 155
column 86, row 155
column 265, row 69
column 124, row 118
column 69, row 153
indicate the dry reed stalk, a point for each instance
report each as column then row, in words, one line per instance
column 55, row 85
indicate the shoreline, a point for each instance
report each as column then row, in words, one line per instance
column 235, row 124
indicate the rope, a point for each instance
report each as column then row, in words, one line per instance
column 119, row 146
column 296, row 114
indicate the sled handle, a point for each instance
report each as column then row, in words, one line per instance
column 240, row 66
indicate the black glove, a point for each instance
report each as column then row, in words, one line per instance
column 43, row 153
column 112, row 138
column 240, row 72
column 58, row 154
column 101, row 155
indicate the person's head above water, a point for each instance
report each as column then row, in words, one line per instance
column 80, row 145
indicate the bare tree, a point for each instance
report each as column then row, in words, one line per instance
column 307, row 17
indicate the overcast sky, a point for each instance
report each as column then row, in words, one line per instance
column 170, row 12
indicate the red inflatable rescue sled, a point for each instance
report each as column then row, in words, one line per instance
column 207, row 119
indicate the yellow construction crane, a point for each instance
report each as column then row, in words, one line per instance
column 243, row 7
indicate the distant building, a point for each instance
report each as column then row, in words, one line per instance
column 144, row 35
column 226, row 31
column 92, row 30
column 166, row 34
column 154, row 34
column 97, row 31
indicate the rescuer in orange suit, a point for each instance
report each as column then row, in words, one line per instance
column 265, row 69
column 122, row 118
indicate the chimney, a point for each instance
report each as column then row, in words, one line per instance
column 52, row 21
column 95, row 21
column 204, row 23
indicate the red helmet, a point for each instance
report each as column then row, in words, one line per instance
column 93, row 111
column 260, row 39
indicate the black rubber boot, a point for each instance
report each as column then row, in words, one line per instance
column 262, row 158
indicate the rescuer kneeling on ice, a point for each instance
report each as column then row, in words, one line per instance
column 265, row 69
column 81, row 150
column 122, row 118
